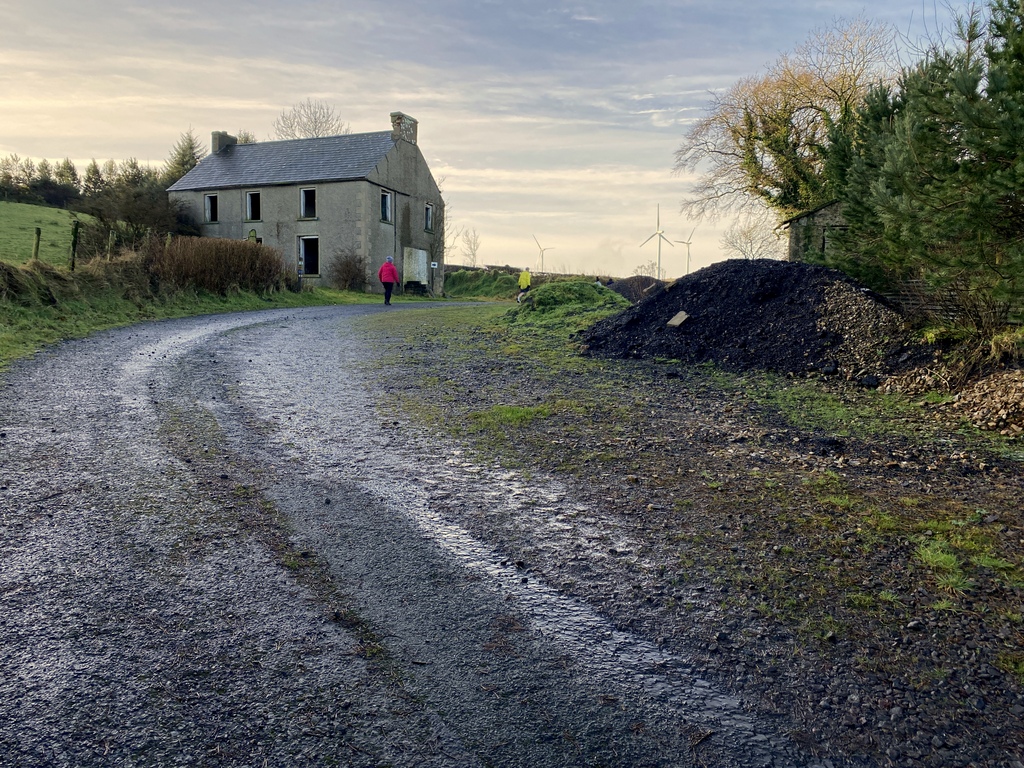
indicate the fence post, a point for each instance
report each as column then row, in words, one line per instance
column 35, row 244
column 74, row 243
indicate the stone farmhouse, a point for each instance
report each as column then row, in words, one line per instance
column 325, row 201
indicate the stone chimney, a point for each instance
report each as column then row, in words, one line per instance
column 403, row 127
column 222, row 139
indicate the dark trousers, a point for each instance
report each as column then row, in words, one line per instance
column 387, row 292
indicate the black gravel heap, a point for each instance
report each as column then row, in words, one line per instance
column 773, row 315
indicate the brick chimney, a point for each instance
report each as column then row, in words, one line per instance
column 222, row 139
column 403, row 127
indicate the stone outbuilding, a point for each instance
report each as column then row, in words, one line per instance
column 326, row 203
column 812, row 231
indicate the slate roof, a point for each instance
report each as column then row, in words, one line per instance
column 297, row 161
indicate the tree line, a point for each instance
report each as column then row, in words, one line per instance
column 126, row 201
column 925, row 160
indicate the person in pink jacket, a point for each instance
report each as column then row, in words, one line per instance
column 388, row 276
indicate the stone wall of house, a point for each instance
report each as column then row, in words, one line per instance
column 811, row 231
column 404, row 173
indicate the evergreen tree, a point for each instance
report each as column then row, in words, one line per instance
column 44, row 170
column 67, row 174
column 185, row 155
column 933, row 190
column 93, row 183
column 129, row 202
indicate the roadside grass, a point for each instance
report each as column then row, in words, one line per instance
column 499, row 417
column 1012, row 662
column 42, row 305
column 18, row 222
column 534, row 333
column 481, row 284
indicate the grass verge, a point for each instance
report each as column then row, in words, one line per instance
column 41, row 305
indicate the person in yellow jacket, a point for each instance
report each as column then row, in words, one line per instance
column 524, row 284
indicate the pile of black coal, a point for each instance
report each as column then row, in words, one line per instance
column 762, row 314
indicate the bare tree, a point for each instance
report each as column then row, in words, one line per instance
column 650, row 269
column 470, row 246
column 766, row 138
column 754, row 235
column 446, row 234
column 246, row 137
column 308, row 120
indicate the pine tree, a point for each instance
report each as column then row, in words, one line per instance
column 185, row 155
column 933, row 191
column 67, row 174
column 93, row 183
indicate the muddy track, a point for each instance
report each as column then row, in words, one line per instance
column 221, row 545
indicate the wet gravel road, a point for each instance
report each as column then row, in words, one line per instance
column 220, row 546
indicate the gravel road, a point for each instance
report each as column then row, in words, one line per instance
column 222, row 547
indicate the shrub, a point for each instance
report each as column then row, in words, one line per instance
column 346, row 271
column 216, row 265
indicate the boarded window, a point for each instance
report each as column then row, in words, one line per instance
column 307, row 204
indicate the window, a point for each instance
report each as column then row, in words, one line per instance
column 385, row 205
column 307, row 203
column 428, row 217
column 309, row 255
column 252, row 206
column 212, row 214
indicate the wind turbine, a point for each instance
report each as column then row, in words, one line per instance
column 660, row 234
column 540, row 259
column 687, row 242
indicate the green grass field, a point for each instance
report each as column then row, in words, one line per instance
column 18, row 222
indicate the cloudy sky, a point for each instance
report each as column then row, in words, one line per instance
column 547, row 119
